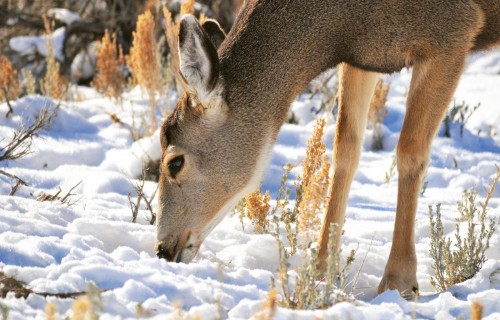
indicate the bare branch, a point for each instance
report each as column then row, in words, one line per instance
column 20, row 144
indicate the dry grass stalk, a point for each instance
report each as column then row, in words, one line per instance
column 29, row 81
column 87, row 307
column 109, row 79
column 143, row 61
column 50, row 311
column 269, row 306
column 476, row 311
column 67, row 198
column 258, row 206
column 139, row 190
column 171, row 29
column 53, row 84
column 314, row 184
column 10, row 88
column 378, row 112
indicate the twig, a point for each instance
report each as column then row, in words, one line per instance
column 152, row 221
column 21, row 181
column 8, row 103
column 21, row 142
column 69, row 194
column 15, row 188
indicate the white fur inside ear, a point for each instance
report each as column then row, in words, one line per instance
column 195, row 64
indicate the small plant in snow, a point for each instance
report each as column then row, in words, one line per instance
column 391, row 172
column 109, row 79
column 10, row 88
column 459, row 113
column 378, row 112
column 20, row 144
column 53, row 84
column 452, row 266
column 143, row 62
column 135, row 206
column 301, row 288
column 313, row 185
column 257, row 206
column 66, row 198
column 89, row 306
column 29, row 81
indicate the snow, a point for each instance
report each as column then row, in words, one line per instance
column 56, row 247
column 64, row 15
column 28, row 45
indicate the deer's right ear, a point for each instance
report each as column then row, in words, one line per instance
column 214, row 32
column 199, row 63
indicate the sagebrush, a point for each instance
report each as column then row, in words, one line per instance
column 459, row 260
column 301, row 288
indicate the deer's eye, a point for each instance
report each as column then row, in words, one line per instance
column 175, row 165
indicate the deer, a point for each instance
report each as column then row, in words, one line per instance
column 217, row 141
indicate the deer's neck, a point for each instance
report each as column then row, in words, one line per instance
column 273, row 51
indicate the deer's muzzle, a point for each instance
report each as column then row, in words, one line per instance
column 178, row 249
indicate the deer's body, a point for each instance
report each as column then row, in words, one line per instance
column 222, row 131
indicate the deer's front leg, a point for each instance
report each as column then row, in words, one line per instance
column 355, row 91
column 432, row 86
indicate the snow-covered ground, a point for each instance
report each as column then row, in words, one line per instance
column 57, row 248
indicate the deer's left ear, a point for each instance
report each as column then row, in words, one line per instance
column 199, row 63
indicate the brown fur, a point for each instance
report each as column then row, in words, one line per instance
column 273, row 51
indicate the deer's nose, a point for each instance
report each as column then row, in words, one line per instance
column 166, row 251
column 171, row 249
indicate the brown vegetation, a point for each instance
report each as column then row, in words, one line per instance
column 109, row 79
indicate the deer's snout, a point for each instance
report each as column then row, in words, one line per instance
column 178, row 249
column 167, row 252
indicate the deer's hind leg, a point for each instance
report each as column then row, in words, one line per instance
column 355, row 91
column 432, row 85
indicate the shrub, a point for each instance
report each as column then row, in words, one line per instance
column 301, row 288
column 459, row 113
column 10, row 88
column 257, row 206
column 452, row 266
column 144, row 63
column 313, row 184
column 109, row 67
column 53, row 84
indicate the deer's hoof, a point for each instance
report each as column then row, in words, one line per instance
column 407, row 286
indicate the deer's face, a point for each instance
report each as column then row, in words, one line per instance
column 207, row 165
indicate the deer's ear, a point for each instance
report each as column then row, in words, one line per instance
column 199, row 63
column 214, row 32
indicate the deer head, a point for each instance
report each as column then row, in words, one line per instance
column 209, row 161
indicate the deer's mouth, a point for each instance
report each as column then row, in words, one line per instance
column 183, row 249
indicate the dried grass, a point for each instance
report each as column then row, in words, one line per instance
column 378, row 112
column 257, row 205
column 29, row 81
column 53, row 83
column 144, row 63
column 110, row 61
column 10, row 88
column 268, row 308
column 314, row 184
